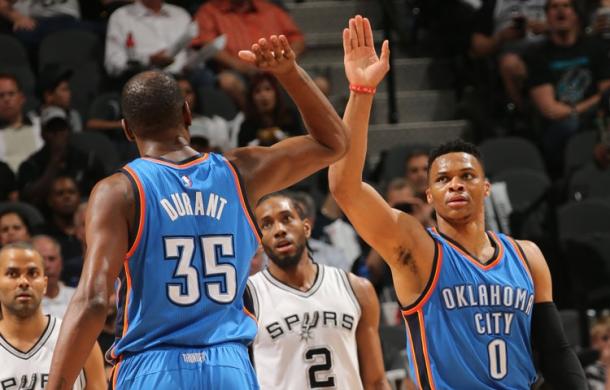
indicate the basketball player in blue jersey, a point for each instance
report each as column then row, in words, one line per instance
column 175, row 227
column 475, row 303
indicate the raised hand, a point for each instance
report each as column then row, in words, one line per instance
column 362, row 66
column 274, row 55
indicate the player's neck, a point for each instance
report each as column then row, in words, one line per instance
column 472, row 236
column 301, row 277
column 15, row 328
column 173, row 148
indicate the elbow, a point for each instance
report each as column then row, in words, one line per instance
column 92, row 300
column 342, row 143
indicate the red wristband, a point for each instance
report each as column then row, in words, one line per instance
column 362, row 89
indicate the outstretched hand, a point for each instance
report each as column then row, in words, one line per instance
column 362, row 66
column 274, row 55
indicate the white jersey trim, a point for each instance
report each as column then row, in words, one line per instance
column 350, row 291
column 36, row 347
column 305, row 294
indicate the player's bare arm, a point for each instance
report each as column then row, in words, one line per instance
column 398, row 237
column 94, row 370
column 107, row 227
column 370, row 355
column 266, row 170
column 558, row 362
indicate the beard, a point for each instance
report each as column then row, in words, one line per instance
column 286, row 261
column 22, row 310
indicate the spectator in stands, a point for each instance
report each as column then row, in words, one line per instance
column 58, row 295
column 33, row 20
column 19, row 134
column 268, row 119
column 140, row 35
column 56, row 157
column 416, row 172
column 8, row 183
column 14, row 227
column 505, row 29
column 566, row 76
column 597, row 373
column 73, row 266
column 322, row 252
column 220, row 133
column 244, row 22
column 55, row 94
column 63, row 201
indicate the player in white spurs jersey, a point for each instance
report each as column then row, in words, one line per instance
column 27, row 336
column 317, row 325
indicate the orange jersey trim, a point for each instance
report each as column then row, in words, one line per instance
column 250, row 314
column 520, row 255
column 178, row 166
column 115, row 373
column 141, row 219
column 474, row 261
column 425, row 348
column 437, row 272
column 244, row 206
column 412, row 350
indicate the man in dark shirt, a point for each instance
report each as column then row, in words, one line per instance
column 566, row 76
column 505, row 29
column 57, row 156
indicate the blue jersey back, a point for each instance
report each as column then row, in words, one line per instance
column 184, row 276
column 471, row 328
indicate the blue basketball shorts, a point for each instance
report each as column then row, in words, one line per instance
column 225, row 366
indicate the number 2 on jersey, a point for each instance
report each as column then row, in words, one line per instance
column 320, row 374
column 187, row 293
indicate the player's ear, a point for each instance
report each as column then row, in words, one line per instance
column 46, row 282
column 307, row 226
column 127, row 131
column 428, row 196
column 187, row 114
column 487, row 187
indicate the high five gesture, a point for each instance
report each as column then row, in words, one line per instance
column 362, row 66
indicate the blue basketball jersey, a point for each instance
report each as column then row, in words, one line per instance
column 184, row 276
column 471, row 328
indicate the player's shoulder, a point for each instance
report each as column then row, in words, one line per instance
column 531, row 251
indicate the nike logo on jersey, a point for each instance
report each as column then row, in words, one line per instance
column 184, row 204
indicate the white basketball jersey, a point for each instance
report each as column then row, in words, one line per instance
column 306, row 339
column 30, row 370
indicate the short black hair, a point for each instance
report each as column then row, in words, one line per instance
column 54, row 125
column 152, row 102
column 12, row 77
column 455, row 146
column 296, row 202
column 21, row 215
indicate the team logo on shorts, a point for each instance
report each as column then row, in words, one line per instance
column 187, row 181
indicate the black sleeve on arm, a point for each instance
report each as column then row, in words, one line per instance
column 558, row 362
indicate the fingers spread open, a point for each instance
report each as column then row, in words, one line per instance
column 287, row 49
column 276, row 47
column 247, row 56
column 385, row 53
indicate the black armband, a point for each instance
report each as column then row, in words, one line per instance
column 558, row 362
